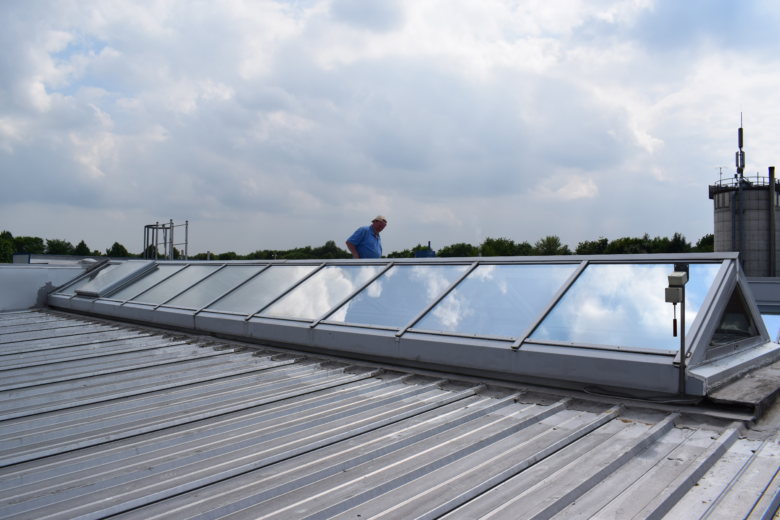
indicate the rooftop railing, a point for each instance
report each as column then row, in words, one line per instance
column 746, row 181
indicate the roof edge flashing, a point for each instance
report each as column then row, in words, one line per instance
column 721, row 371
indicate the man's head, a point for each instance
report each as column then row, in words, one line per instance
column 379, row 223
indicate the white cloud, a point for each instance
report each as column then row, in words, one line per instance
column 290, row 124
column 568, row 187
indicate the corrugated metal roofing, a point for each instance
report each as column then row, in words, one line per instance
column 100, row 419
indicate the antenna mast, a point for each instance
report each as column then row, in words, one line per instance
column 740, row 157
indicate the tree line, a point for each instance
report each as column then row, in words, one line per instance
column 549, row 245
column 10, row 245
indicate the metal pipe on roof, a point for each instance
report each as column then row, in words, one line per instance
column 772, row 223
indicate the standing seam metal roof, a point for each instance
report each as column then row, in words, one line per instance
column 100, row 419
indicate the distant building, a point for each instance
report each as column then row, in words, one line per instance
column 747, row 218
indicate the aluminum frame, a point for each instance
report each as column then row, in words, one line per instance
column 517, row 358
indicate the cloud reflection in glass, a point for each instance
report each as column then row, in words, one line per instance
column 497, row 300
column 323, row 291
column 262, row 289
column 624, row 306
column 169, row 288
column 398, row 295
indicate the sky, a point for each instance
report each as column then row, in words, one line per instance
column 280, row 124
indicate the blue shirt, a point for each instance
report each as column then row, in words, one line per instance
column 367, row 243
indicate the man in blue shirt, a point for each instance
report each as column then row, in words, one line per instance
column 365, row 241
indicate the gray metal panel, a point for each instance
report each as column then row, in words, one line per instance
column 706, row 322
column 199, row 430
column 767, row 293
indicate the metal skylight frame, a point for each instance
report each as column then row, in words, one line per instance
column 516, row 341
column 672, row 352
column 352, row 295
column 208, row 275
column 162, row 280
column 96, row 288
column 256, row 314
column 91, row 272
column 553, row 302
column 230, row 291
column 438, row 300
column 606, row 364
column 473, row 267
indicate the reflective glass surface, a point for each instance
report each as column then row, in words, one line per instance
column 263, row 289
column 772, row 322
column 212, row 287
column 323, row 291
column 160, row 273
column 398, row 295
column 736, row 322
column 497, row 300
column 104, row 272
column 624, row 306
column 103, row 279
column 175, row 284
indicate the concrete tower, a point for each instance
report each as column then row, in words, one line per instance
column 747, row 218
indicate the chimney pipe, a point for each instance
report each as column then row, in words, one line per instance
column 772, row 223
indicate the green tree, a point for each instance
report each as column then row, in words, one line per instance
column 498, row 247
column 706, row 244
column 461, row 249
column 505, row 247
column 592, row 247
column 629, row 246
column 6, row 248
column 82, row 249
column 330, row 250
column 657, row 244
column 32, row 245
column 551, row 245
column 117, row 251
column 263, row 254
column 151, row 252
column 56, row 246
column 678, row 244
column 525, row 249
column 406, row 253
column 298, row 253
column 230, row 255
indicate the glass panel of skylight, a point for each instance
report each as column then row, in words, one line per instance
column 772, row 322
column 106, row 279
column 263, row 289
column 219, row 283
column 175, row 284
column 323, row 291
column 497, row 300
column 104, row 272
column 624, row 305
column 398, row 295
column 736, row 322
column 161, row 272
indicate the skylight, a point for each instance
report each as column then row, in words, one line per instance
column 562, row 318
column 620, row 305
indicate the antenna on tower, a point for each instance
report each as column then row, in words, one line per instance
column 740, row 157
